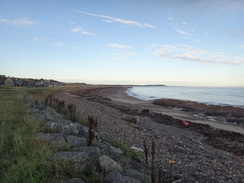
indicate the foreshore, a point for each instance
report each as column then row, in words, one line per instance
column 175, row 109
column 201, row 152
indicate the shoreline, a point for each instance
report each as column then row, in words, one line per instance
column 201, row 152
column 118, row 94
column 181, row 97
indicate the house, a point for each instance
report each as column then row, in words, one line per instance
column 19, row 82
column 9, row 82
column 2, row 79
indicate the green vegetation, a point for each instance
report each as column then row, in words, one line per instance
column 22, row 159
column 130, row 154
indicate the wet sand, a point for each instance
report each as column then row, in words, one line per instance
column 118, row 95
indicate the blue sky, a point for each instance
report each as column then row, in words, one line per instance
column 172, row 42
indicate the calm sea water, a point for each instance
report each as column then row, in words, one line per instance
column 212, row 95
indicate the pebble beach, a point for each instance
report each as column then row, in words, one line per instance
column 187, row 147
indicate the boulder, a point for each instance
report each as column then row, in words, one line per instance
column 91, row 151
column 115, row 153
column 53, row 139
column 83, row 131
column 77, row 160
column 136, row 165
column 108, row 164
column 115, row 177
column 74, row 141
column 132, row 173
column 74, row 180
column 53, row 126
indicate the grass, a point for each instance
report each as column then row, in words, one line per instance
column 22, row 159
column 127, row 151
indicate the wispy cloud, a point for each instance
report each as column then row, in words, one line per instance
column 59, row 44
column 241, row 46
column 182, row 32
column 119, row 20
column 127, row 53
column 206, row 34
column 20, row 21
column 116, row 45
column 78, row 29
column 193, row 54
column 170, row 18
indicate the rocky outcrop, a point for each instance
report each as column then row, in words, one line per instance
column 64, row 134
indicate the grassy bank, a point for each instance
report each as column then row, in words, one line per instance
column 22, row 159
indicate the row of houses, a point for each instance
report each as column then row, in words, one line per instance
column 19, row 82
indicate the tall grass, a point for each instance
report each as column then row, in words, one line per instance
column 22, row 159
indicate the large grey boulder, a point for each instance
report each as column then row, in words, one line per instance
column 77, row 160
column 74, row 180
column 53, row 139
column 104, row 147
column 74, row 141
column 83, row 131
column 115, row 153
column 109, row 165
column 91, row 151
column 116, row 177
column 132, row 173
column 53, row 126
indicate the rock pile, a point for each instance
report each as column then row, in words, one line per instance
column 70, row 141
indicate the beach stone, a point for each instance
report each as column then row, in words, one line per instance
column 77, row 160
column 53, row 139
column 136, row 149
column 74, row 141
column 116, row 177
column 130, row 118
column 109, row 164
column 91, row 151
column 74, row 180
column 146, row 111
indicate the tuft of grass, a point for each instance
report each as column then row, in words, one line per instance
column 128, row 152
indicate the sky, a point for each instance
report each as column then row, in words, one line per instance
column 172, row 42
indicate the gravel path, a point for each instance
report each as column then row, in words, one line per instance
column 196, row 161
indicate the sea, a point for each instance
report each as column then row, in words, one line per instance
column 233, row 96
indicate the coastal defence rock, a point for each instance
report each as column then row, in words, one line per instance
column 108, row 164
column 132, row 173
column 64, row 133
column 115, row 153
column 116, row 177
column 77, row 160
column 54, row 140
column 74, row 180
column 74, row 141
column 91, row 151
